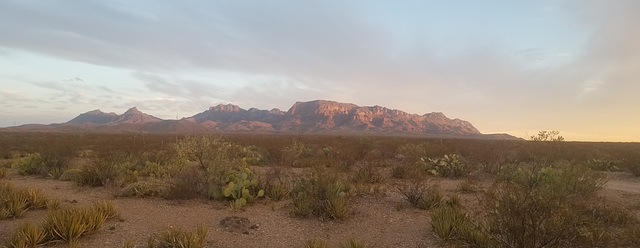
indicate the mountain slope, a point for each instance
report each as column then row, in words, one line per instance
column 318, row 116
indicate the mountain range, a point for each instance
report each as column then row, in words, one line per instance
column 320, row 116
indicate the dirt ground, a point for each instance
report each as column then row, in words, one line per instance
column 380, row 220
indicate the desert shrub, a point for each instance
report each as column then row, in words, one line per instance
column 421, row 194
column 411, row 153
column 297, row 153
column 409, row 171
column 367, row 174
column 450, row 165
column 26, row 235
column 188, row 183
column 602, row 165
column 176, row 237
column 107, row 169
column 254, row 155
column 315, row 243
column 321, row 195
column 355, row 243
column 29, row 165
column 71, row 175
column 542, row 205
column 633, row 166
column 538, row 205
column 146, row 188
column 38, row 164
column 275, row 184
column 208, row 151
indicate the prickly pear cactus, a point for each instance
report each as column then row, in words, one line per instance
column 239, row 192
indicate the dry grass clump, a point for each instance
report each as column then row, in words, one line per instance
column 322, row 195
column 315, row 243
column 3, row 172
column 176, row 237
column 422, row 194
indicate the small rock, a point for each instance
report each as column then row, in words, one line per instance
column 254, row 226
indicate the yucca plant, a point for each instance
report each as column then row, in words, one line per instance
column 35, row 198
column 27, row 235
column 66, row 224
column 106, row 207
column 176, row 237
column 15, row 204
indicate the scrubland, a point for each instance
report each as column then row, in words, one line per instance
column 241, row 190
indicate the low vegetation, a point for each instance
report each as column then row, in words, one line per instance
column 66, row 225
column 176, row 237
column 542, row 193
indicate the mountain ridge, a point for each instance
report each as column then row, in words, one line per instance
column 318, row 116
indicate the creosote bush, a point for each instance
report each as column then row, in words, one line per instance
column 537, row 205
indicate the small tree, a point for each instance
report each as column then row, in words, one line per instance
column 547, row 136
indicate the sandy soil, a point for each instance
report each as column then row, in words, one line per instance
column 376, row 219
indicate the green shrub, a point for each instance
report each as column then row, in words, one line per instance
column 537, row 205
column 39, row 164
column 29, row 165
column 321, row 195
column 602, row 165
column 106, row 169
column 176, row 237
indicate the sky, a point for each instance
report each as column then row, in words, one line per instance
column 512, row 67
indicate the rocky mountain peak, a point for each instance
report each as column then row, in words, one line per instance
column 225, row 108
